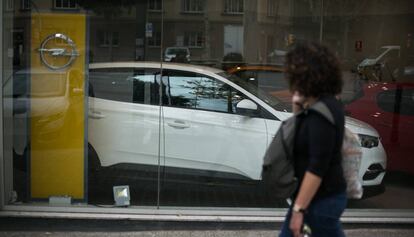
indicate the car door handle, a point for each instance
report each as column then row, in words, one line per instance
column 178, row 124
column 96, row 115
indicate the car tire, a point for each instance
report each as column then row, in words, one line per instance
column 94, row 164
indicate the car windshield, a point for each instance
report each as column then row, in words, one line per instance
column 176, row 51
column 270, row 100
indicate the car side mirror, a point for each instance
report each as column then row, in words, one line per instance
column 247, row 107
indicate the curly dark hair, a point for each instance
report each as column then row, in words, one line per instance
column 313, row 70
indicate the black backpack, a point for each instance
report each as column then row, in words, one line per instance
column 278, row 175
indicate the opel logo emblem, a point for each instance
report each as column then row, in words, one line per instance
column 49, row 55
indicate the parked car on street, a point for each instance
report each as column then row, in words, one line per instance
column 204, row 122
column 177, row 54
column 389, row 108
column 386, row 64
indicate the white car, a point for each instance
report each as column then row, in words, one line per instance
column 46, row 103
column 205, row 122
column 387, row 58
column 179, row 54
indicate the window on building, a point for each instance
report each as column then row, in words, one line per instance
column 272, row 7
column 193, row 6
column 155, row 40
column 65, row 4
column 9, row 5
column 194, row 39
column 233, row 6
column 155, row 5
column 25, row 5
column 108, row 38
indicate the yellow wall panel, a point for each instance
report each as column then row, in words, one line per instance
column 57, row 105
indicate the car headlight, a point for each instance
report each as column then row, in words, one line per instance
column 368, row 141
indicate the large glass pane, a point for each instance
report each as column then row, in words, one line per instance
column 81, row 105
column 210, row 159
column 180, row 99
column 249, row 39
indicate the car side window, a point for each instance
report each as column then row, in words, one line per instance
column 145, row 87
column 266, row 80
column 124, row 85
column 249, row 76
column 392, row 55
column 387, row 101
column 272, row 80
column 196, row 91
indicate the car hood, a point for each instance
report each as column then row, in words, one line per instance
column 355, row 125
column 367, row 62
column 360, row 127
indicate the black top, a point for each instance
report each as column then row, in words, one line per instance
column 317, row 147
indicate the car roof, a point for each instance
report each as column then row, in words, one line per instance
column 157, row 65
column 391, row 47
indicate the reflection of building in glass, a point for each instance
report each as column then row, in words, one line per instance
column 259, row 31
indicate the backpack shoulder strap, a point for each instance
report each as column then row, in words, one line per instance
column 322, row 109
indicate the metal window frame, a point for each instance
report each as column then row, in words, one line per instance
column 2, row 178
column 256, row 215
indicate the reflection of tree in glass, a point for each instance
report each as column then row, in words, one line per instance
column 182, row 101
column 209, row 89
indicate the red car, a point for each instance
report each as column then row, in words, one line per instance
column 389, row 108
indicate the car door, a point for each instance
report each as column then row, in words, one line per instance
column 397, row 105
column 124, row 116
column 204, row 135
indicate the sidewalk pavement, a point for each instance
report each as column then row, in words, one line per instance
column 13, row 227
column 209, row 233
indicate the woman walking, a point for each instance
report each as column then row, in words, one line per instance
column 314, row 75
